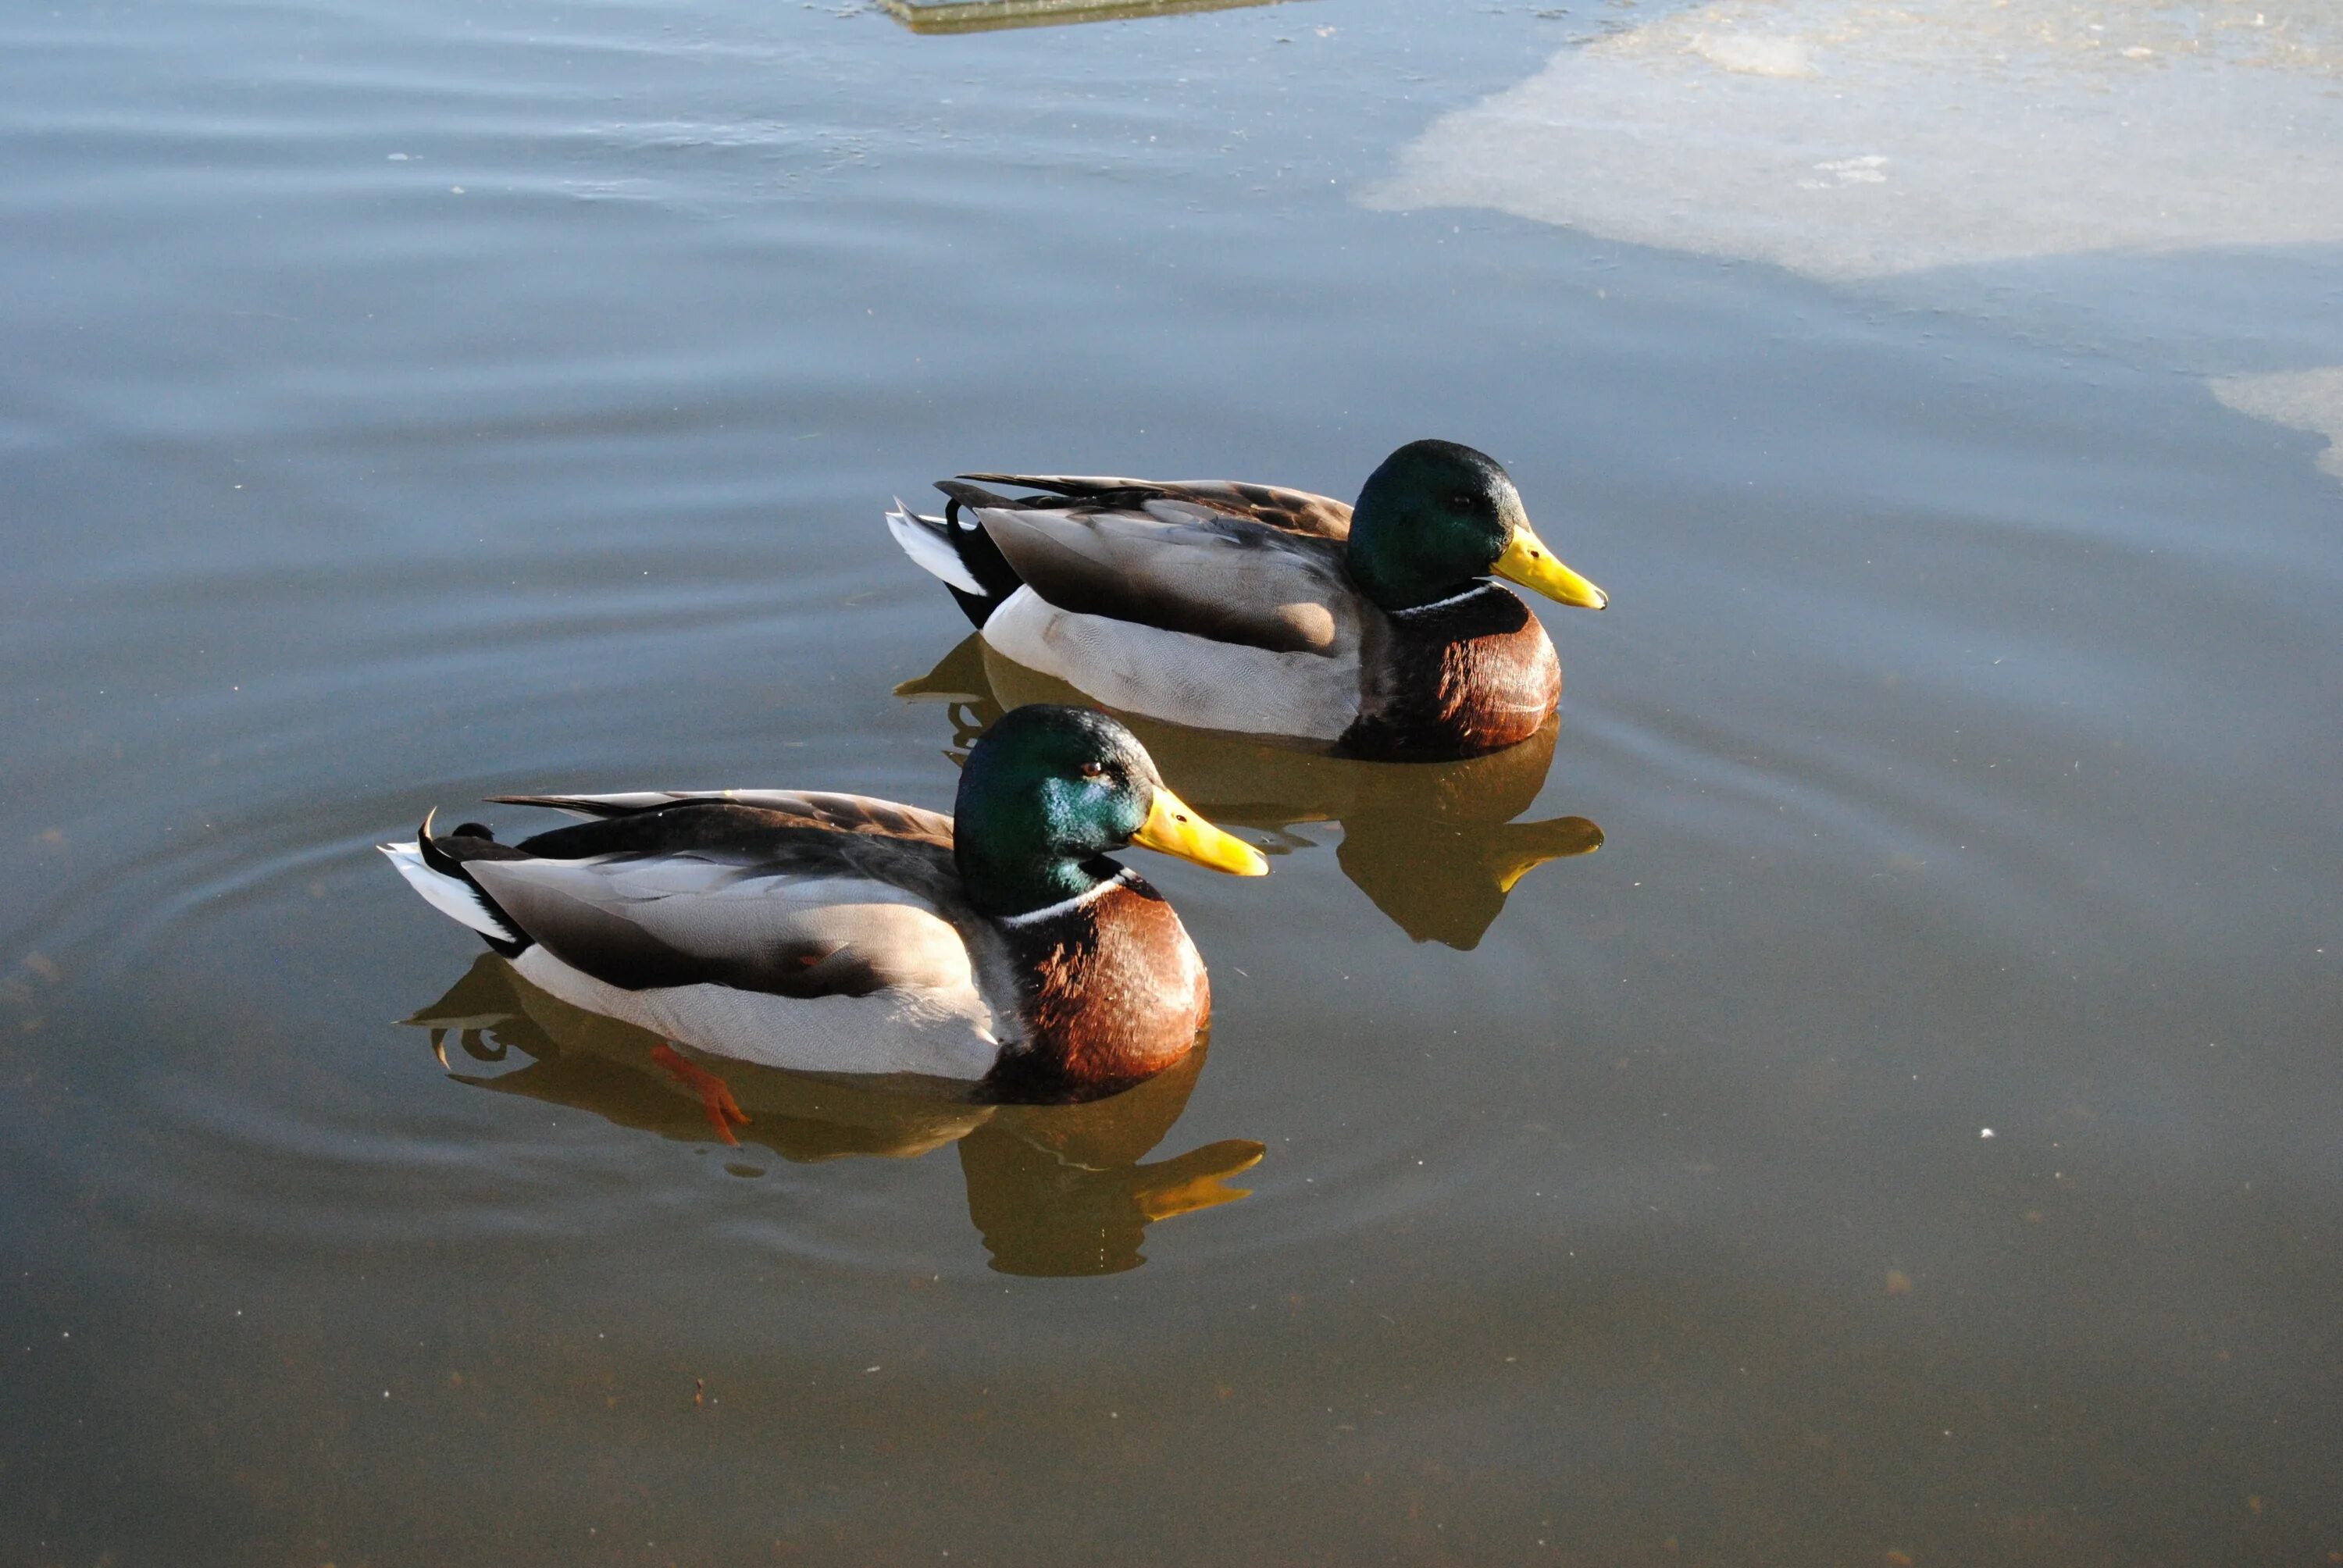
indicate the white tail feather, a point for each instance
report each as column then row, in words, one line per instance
column 451, row 895
column 932, row 551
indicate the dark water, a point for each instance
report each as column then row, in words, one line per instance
column 407, row 404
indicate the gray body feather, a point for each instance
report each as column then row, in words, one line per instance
column 800, row 930
column 1209, row 603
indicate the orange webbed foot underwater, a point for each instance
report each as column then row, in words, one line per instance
column 715, row 1094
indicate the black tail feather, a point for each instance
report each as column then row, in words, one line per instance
column 446, row 854
column 976, row 550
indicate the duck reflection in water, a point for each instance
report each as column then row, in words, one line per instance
column 1055, row 1189
column 1434, row 844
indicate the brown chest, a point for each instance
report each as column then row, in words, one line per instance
column 1114, row 992
column 1471, row 675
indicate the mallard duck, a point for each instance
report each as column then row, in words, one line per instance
column 1269, row 611
column 998, row 947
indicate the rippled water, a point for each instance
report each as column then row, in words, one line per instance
column 403, row 404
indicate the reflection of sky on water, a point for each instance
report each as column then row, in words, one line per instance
column 1953, row 154
column 2301, row 400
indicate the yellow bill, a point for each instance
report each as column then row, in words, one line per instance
column 1173, row 827
column 1528, row 562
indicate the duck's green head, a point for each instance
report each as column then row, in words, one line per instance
column 1051, row 791
column 1436, row 517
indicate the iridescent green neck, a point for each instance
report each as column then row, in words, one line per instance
column 1009, row 872
column 1432, row 520
column 1397, row 577
column 1047, row 793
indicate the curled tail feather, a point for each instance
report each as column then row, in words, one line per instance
column 434, row 867
column 956, row 550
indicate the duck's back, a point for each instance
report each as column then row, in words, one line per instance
column 1212, row 604
column 814, row 931
column 734, row 895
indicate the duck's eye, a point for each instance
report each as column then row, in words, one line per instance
column 1092, row 769
column 1462, row 503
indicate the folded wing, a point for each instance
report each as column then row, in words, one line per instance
column 1179, row 563
column 639, row 922
column 1274, row 505
column 806, row 808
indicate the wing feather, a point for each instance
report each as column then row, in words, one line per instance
column 1274, row 505
column 1183, row 565
column 806, row 808
column 639, row 922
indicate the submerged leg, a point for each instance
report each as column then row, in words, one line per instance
column 715, row 1096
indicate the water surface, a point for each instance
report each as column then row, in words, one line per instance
column 406, row 405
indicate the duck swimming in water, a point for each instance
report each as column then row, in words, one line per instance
column 998, row 947
column 1372, row 628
